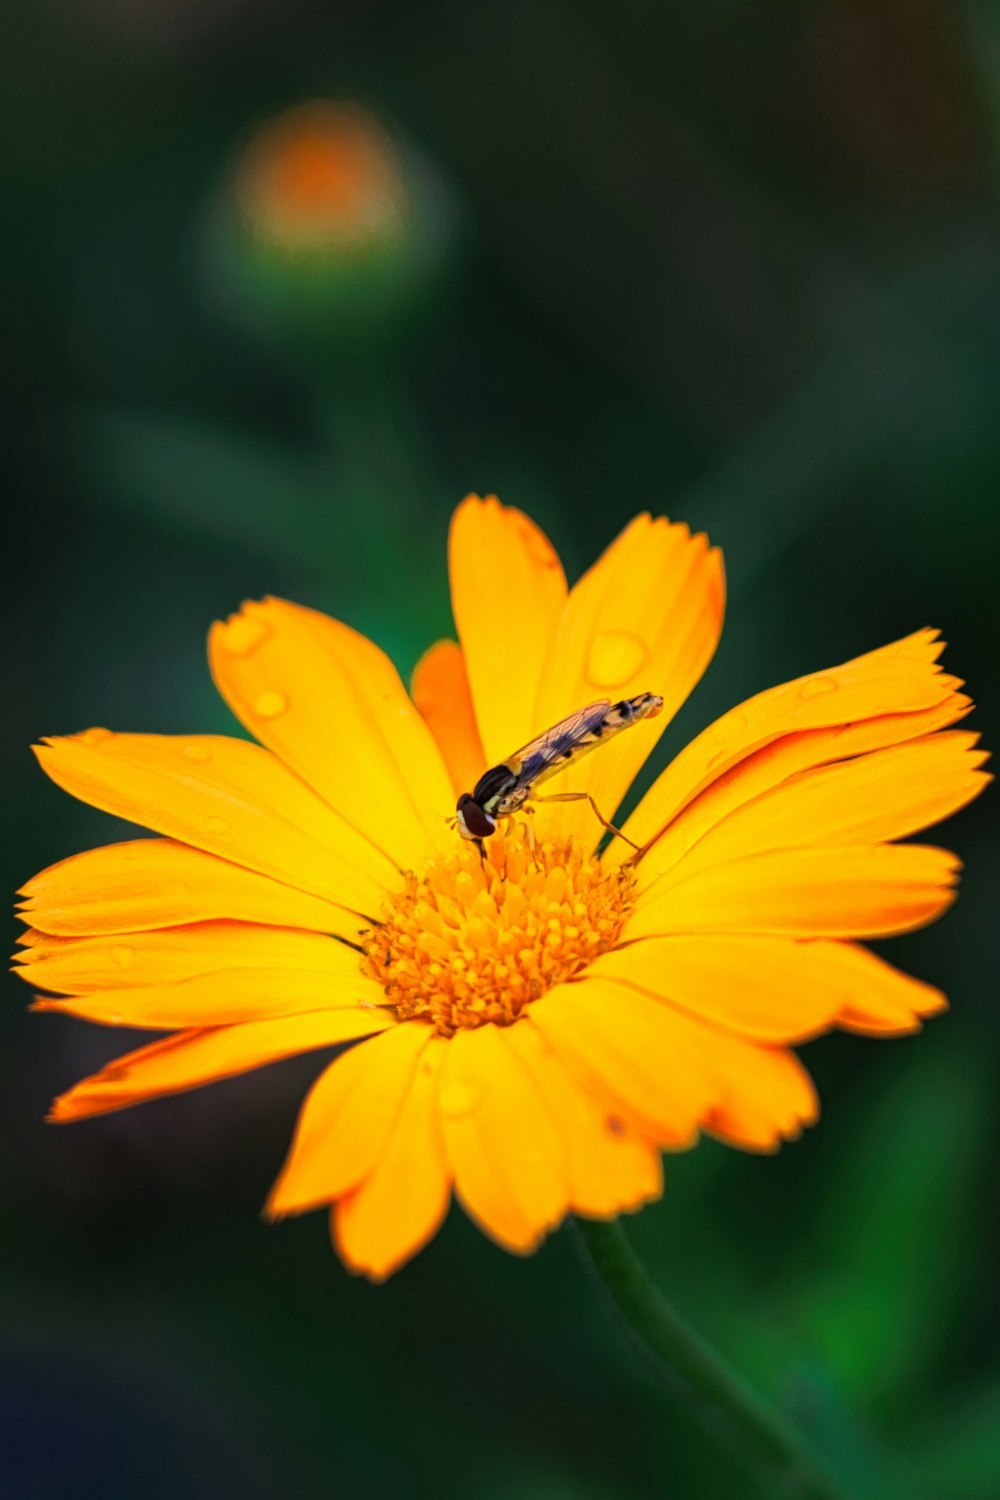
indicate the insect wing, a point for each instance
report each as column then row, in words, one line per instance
column 544, row 756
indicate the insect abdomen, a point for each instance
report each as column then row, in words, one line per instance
column 628, row 711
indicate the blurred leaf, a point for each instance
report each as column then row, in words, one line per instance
column 898, row 1226
column 836, row 1428
column 961, row 1457
column 188, row 478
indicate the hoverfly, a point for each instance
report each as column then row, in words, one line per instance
column 505, row 788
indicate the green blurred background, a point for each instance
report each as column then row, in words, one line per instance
column 735, row 260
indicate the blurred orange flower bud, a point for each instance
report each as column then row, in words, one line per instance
column 329, row 228
column 325, row 177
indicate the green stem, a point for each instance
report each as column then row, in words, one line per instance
column 726, row 1408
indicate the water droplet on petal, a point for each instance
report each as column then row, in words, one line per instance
column 94, row 736
column 242, row 634
column 216, row 825
column 724, row 733
column 123, row 957
column 195, row 751
column 458, row 1099
column 817, row 686
column 615, row 657
column 725, row 730
column 270, row 705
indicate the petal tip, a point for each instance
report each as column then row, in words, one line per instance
column 936, row 1004
column 241, row 632
column 273, row 1211
column 377, row 1271
column 62, row 1110
column 281, row 1205
column 473, row 501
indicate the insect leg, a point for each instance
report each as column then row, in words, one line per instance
column 586, row 797
column 529, row 813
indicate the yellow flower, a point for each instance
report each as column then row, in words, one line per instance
column 539, row 1026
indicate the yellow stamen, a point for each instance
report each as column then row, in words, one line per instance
column 469, row 941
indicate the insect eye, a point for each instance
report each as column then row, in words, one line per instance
column 478, row 823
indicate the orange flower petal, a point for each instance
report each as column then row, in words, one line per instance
column 772, row 989
column 347, row 1120
column 882, row 1000
column 229, row 798
column 886, row 795
column 171, row 955
column 766, row 1096
column 835, row 892
column 776, row 764
column 223, row 999
column 441, row 692
column 506, row 1149
column 331, row 706
column 897, row 679
column 764, row 844
column 612, row 1168
column 671, row 1071
column 647, row 616
column 507, row 590
column 633, row 1053
column 150, row 883
column 395, row 1211
column 193, row 1058
column 924, row 646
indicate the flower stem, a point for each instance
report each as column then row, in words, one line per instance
column 727, row 1409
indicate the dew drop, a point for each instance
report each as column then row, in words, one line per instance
column 195, row 751
column 458, row 1099
column 216, row 825
column 724, row 733
column 729, row 726
column 123, row 957
column 241, row 634
column 270, row 705
column 615, row 657
column 816, row 686
column 94, row 736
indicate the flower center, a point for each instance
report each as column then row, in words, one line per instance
column 469, row 941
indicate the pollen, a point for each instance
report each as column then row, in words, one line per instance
column 470, row 941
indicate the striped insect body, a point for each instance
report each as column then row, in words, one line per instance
column 506, row 788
